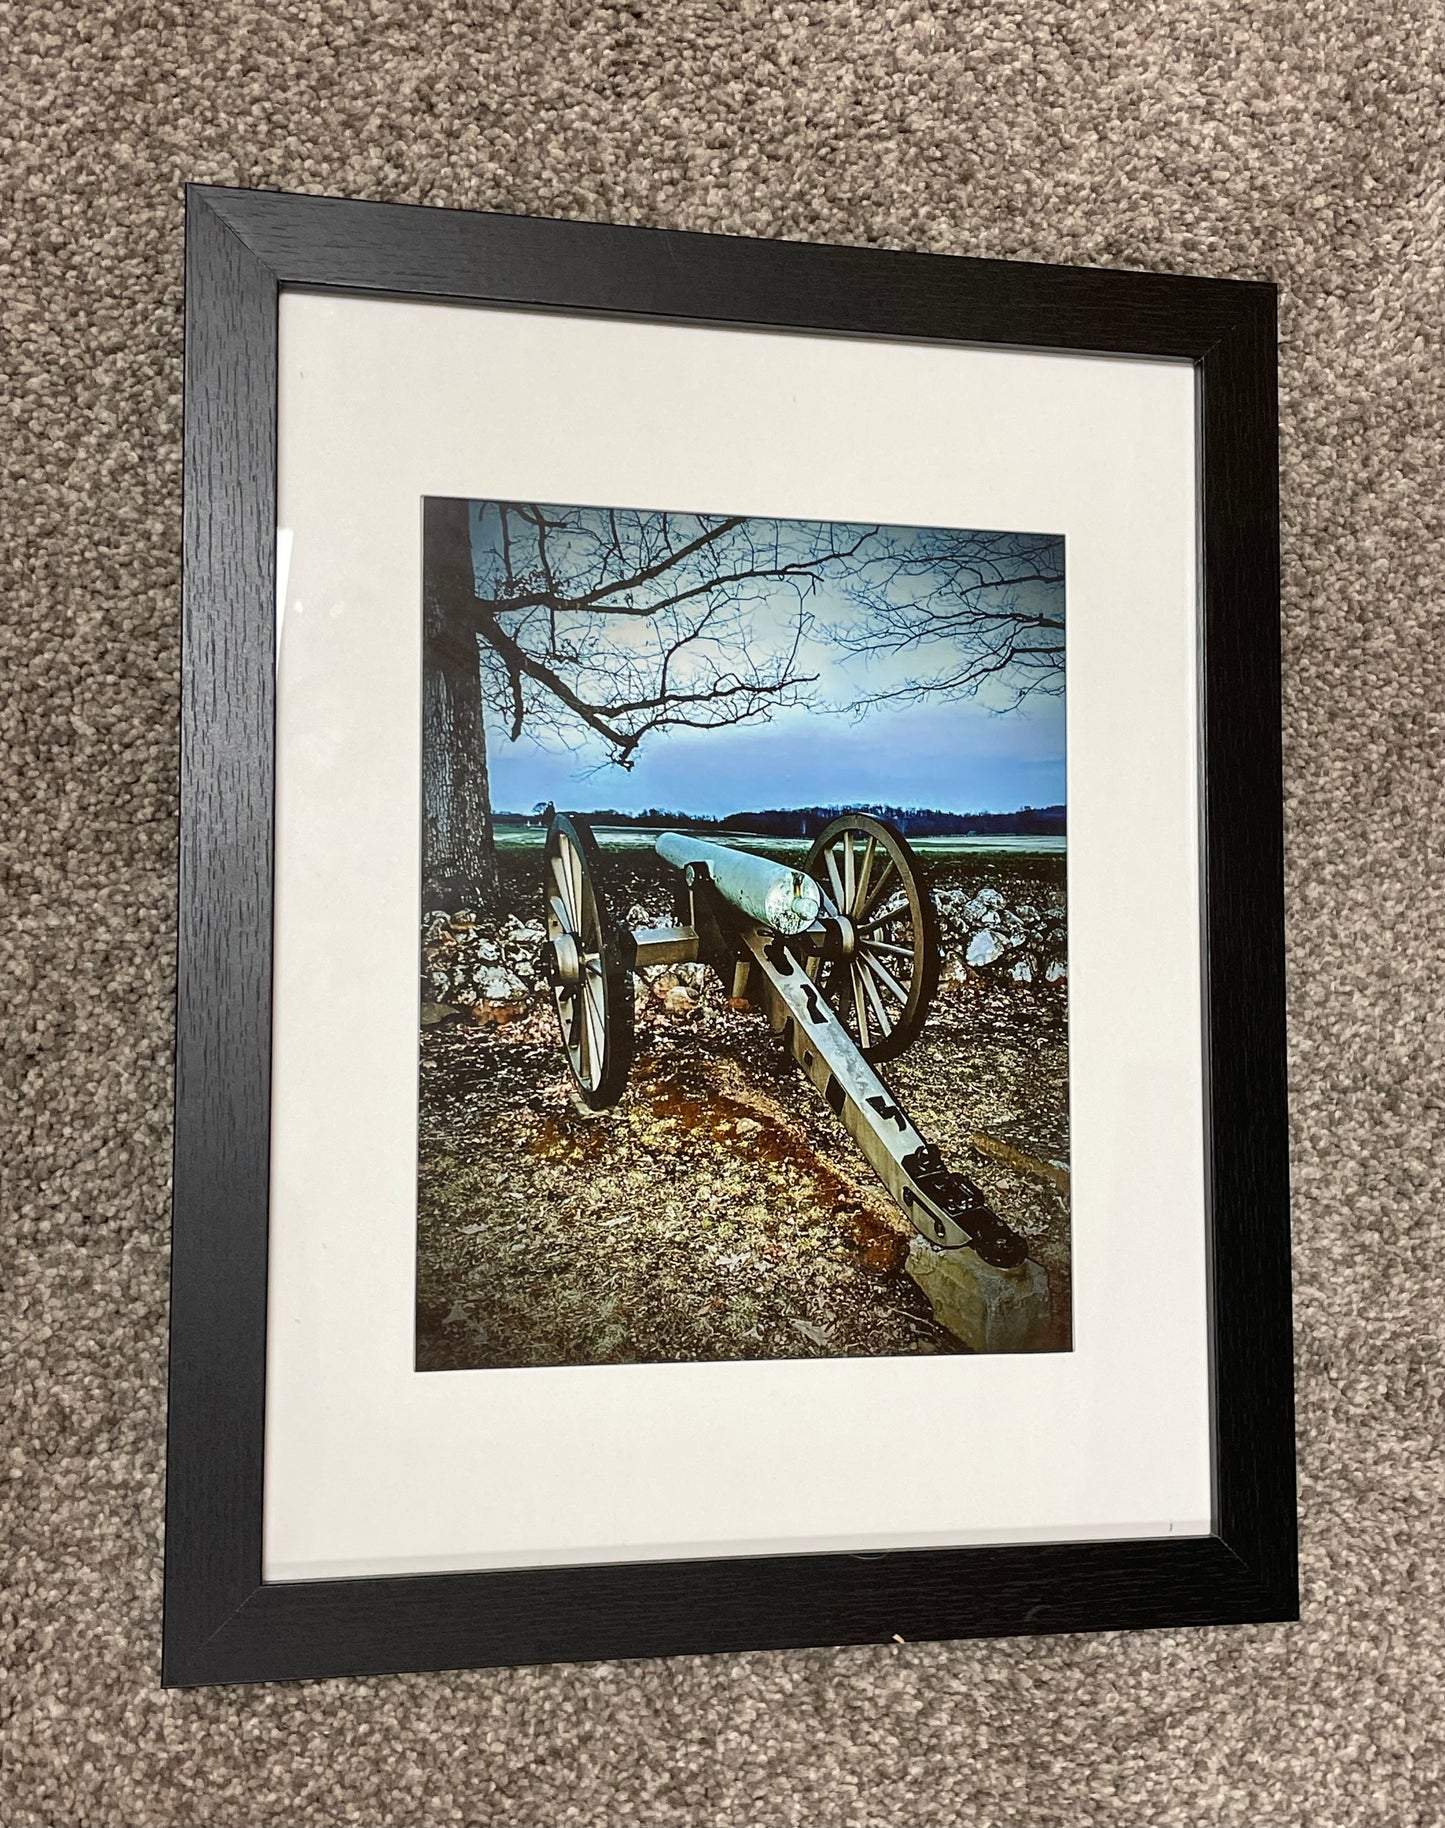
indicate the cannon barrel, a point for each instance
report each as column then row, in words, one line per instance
column 784, row 899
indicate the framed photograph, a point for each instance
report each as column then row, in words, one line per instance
column 783, row 733
column 730, row 1081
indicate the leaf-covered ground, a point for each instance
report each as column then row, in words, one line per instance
column 719, row 1210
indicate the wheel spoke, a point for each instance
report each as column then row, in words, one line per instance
column 850, row 877
column 579, row 881
column 564, row 883
column 886, row 945
column 572, row 1022
column 596, row 1023
column 883, row 918
column 584, row 1036
column 885, row 875
column 860, row 1007
column 873, row 997
column 865, row 875
column 886, row 976
column 840, row 901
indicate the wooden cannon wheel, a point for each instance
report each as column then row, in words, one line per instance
column 586, row 963
column 881, row 987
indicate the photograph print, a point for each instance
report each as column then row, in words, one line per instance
column 743, row 938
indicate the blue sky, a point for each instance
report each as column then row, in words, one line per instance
column 968, row 754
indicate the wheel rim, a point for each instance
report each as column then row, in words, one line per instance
column 881, row 988
column 589, row 981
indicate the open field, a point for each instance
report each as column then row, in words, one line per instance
column 640, row 837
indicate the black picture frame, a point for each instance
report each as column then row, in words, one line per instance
column 223, row 1622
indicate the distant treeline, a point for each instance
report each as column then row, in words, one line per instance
column 808, row 821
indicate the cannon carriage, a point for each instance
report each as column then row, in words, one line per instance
column 841, row 951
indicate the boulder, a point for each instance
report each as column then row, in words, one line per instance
column 498, row 985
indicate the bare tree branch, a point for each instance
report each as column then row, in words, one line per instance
column 989, row 606
column 620, row 622
column 625, row 622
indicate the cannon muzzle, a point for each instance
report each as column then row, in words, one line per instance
column 784, row 899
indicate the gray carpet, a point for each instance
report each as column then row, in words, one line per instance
column 1287, row 140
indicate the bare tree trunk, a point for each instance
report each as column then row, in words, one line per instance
column 459, row 853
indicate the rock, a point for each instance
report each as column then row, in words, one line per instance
column 988, row 1309
column 498, row 985
column 679, row 1001
column 984, row 948
column 432, row 1013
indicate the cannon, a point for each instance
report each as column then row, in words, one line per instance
column 844, row 948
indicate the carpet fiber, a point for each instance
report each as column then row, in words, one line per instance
column 1289, row 140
